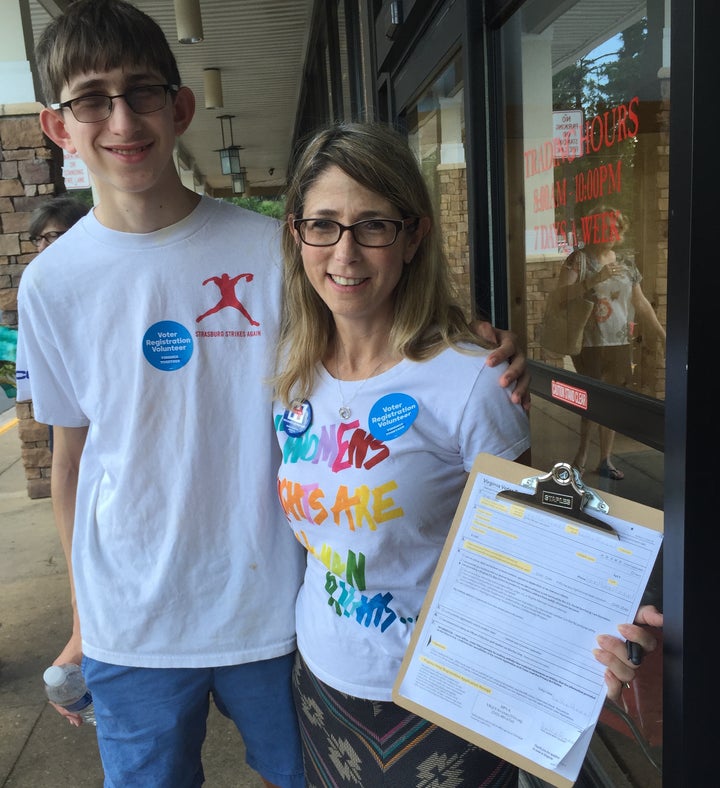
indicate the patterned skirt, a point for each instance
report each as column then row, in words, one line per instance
column 351, row 742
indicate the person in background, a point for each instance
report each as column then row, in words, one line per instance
column 183, row 579
column 54, row 217
column 51, row 219
column 383, row 399
column 8, row 352
column 47, row 223
column 612, row 281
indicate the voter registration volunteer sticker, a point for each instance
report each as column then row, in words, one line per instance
column 167, row 345
column 392, row 415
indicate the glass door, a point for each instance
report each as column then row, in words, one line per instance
column 585, row 114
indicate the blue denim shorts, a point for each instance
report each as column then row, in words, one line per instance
column 151, row 722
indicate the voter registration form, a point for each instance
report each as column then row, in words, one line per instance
column 503, row 652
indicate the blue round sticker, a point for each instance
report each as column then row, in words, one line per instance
column 392, row 415
column 167, row 345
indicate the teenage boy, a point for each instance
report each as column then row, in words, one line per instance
column 149, row 330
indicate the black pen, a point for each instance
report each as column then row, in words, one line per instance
column 634, row 652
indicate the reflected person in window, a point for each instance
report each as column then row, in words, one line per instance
column 613, row 283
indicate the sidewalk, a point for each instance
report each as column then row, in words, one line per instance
column 38, row 749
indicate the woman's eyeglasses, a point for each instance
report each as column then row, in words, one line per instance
column 47, row 238
column 370, row 232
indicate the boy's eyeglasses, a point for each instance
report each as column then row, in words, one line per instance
column 47, row 238
column 369, row 232
column 96, row 107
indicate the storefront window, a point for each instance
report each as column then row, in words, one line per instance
column 586, row 117
column 344, row 66
column 586, row 123
column 436, row 132
column 587, row 159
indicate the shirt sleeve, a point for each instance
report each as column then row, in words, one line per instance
column 492, row 422
column 42, row 374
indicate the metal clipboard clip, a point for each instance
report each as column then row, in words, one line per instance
column 563, row 491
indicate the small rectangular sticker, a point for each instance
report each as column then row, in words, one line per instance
column 570, row 394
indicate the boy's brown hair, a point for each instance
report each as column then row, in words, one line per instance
column 100, row 35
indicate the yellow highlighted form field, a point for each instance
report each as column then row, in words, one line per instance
column 465, row 680
column 501, row 558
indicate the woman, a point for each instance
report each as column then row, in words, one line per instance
column 53, row 218
column 383, row 400
column 612, row 281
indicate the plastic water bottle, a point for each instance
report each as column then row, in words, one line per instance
column 65, row 685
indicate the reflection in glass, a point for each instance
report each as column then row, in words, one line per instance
column 612, row 283
column 586, row 115
column 435, row 125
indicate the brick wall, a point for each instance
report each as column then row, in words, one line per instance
column 454, row 226
column 30, row 171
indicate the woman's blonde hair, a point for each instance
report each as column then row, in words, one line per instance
column 427, row 318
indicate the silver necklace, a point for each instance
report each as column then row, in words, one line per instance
column 344, row 410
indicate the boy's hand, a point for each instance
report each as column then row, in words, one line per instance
column 508, row 350
column 71, row 653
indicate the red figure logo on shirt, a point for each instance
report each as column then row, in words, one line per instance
column 227, row 295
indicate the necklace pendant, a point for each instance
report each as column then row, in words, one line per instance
column 344, row 412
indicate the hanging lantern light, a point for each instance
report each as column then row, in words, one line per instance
column 239, row 181
column 230, row 155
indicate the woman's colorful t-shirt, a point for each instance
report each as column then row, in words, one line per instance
column 371, row 497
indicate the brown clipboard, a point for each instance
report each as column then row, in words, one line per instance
column 534, row 483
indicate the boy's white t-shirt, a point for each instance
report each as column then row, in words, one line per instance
column 372, row 498
column 161, row 344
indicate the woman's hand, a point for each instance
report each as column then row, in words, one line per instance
column 613, row 651
column 606, row 272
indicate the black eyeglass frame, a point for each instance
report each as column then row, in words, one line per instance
column 36, row 239
column 69, row 103
column 398, row 224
